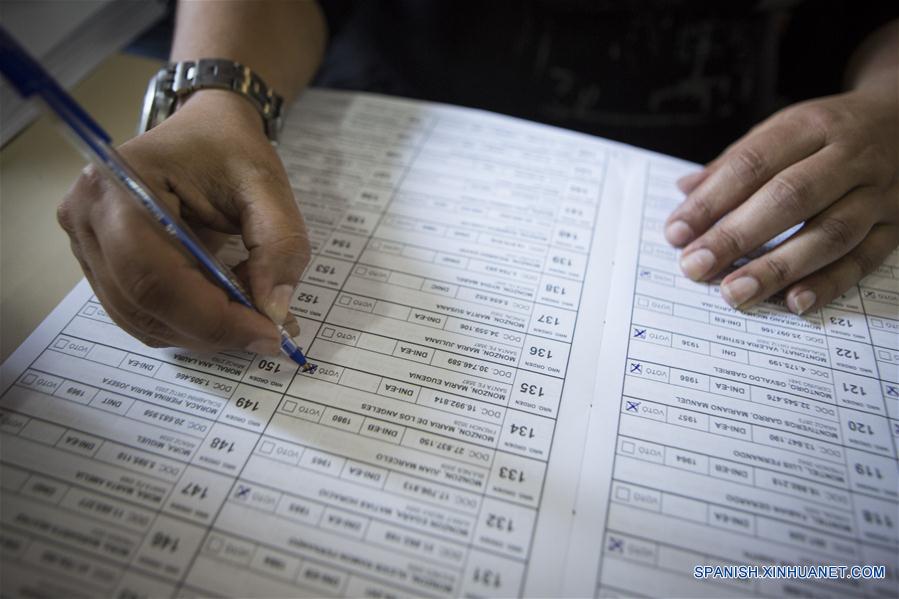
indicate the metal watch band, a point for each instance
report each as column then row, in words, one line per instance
column 178, row 80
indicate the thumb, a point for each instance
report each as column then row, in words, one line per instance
column 274, row 233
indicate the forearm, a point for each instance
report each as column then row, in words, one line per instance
column 876, row 61
column 281, row 40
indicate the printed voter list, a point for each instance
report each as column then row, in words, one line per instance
column 518, row 394
column 428, row 455
column 719, row 438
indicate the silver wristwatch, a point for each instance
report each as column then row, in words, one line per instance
column 177, row 80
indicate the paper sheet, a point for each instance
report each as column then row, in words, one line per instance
column 723, row 438
column 454, row 305
column 473, row 391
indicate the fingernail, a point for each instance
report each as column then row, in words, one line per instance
column 278, row 302
column 292, row 327
column 801, row 302
column 678, row 233
column 739, row 291
column 697, row 264
column 688, row 182
column 266, row 347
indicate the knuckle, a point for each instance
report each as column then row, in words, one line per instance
column 88, row 188
column 151, row 330
column 748, row 164
column 863, row 263
column 148, row 290
column 291, row 247
column 837, row 232
column 821, row 117
column 831, row 286
column 788, row 196
column 879, row 164
column 65, row 218
column 703, row 207
column 778, row 269
column 730, row 241
column 218, row 332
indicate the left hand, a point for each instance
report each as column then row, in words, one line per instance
column 832, row 163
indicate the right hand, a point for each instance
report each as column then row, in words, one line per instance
column 213, row 166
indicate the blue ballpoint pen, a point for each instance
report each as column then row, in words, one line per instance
column 30, row 79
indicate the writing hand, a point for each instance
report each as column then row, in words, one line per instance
column 213, row 166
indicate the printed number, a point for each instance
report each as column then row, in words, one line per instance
column 847, row 353
column 522, row 431
column 513, row 474
column 866, row 470
column 547, row 319
column 308, row 298
column 555, row 289
column 325, row 269
column 860, row 427
column 842, row 322
column 247, row 404
column 222, row 444
column 499, row 522
column 269, row 366
column 164, row 542
column 193, row 489
column 486, row 577
column 878, row 519
column 529, row 389
column 541, row 352
column 854, row 389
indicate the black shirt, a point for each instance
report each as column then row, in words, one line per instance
column 684, row 77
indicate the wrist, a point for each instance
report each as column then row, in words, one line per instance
column 225, row 107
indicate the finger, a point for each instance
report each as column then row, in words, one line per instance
column 792, row 196
column 829, row 283
column 822, row 240
column 275, row 235
column 241, row 271
column 738, row 174
column 72, row 216
column 140, row 325
column 689, row 182
column 292, row 327
column 152, row 273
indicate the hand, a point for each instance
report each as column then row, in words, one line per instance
column 832, row 163
column 212, row 165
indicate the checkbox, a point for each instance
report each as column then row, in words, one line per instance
column 290, row 406
column 876, row 323
column 266, row 447
column 90, row 310
column 623, row 494
column 344, row 300
column 627, row 447
column 61, row 343
column 642, row 302
column 361, row 271
column 29, row 379
column 884, row 355
column 327, row 332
